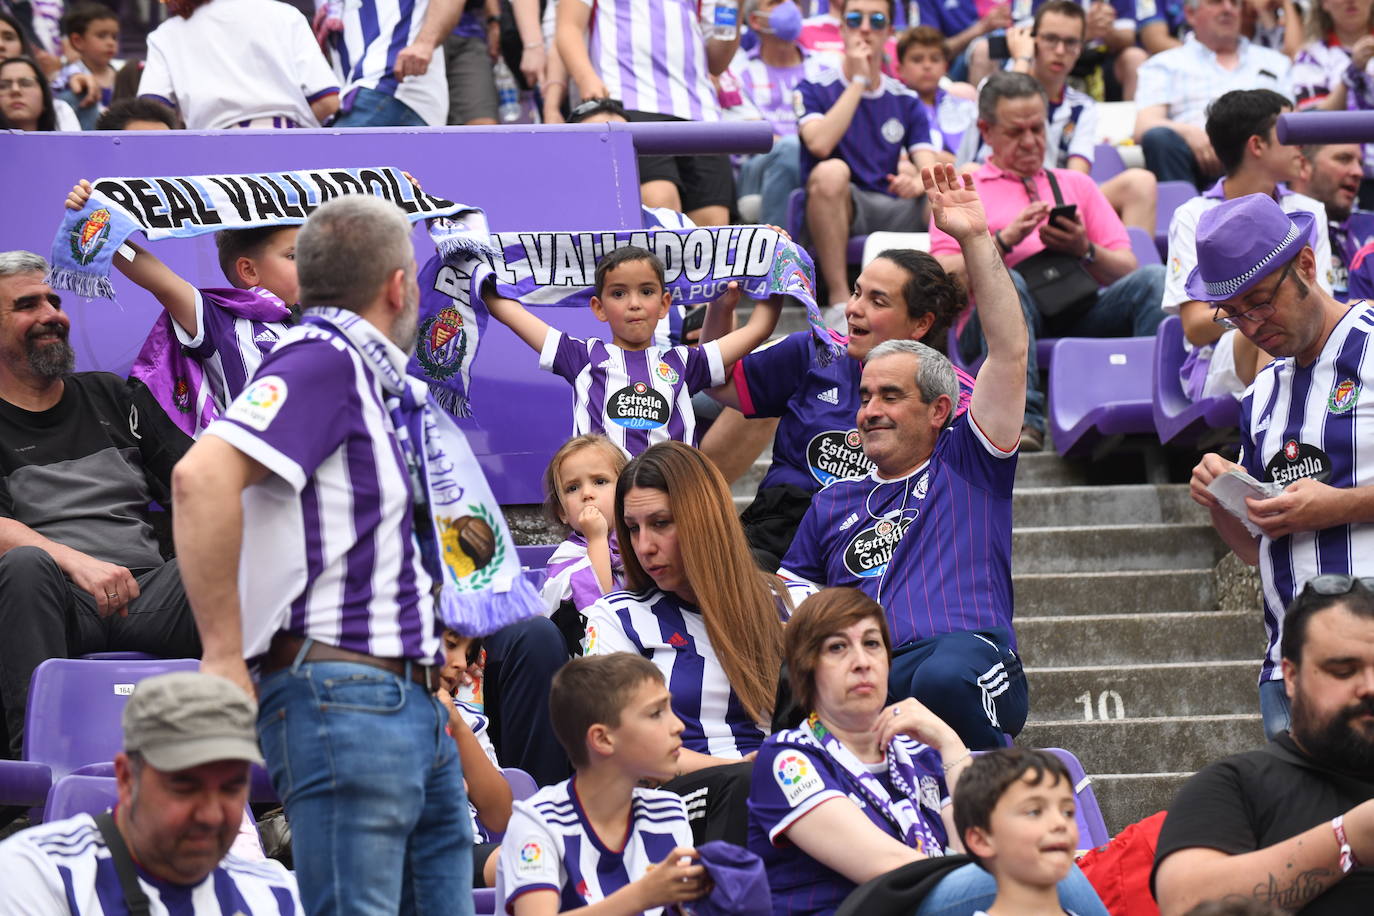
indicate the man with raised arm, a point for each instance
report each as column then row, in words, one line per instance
column 928, row 533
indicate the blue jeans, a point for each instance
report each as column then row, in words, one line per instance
column 1170, row 157
column 1274, row 708
column 370, row 108
column 969, row 888
column 372, row 787
column 1127, row 308
column 774, row 175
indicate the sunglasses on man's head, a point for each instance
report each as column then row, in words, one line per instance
column 1333, row 585
column 876, row 21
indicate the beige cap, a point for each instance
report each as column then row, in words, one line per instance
column 181, row 720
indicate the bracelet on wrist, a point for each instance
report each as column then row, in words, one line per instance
column 862, row 80
column 1001, row 243
column 1347, row 855
column 531, row 47
column 949, row 766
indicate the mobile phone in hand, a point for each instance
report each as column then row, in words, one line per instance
column 1066, row 213
column 997, row 48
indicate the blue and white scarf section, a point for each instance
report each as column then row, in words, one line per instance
column 916, row 789
column 464, row 542
column 558, row 269
column 183, row 207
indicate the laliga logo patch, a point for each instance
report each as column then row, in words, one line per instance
column 1297, row 460
column 529, row 860
column 834, row 454
column 443, row 344
column 181, row 395
column 1344, row 396
column 90, row 235
column 868, row 553
column 259, row 403
column 666, row 372
column 589, row 640
column 638, row 406
column 796, row 775
column 893, row 130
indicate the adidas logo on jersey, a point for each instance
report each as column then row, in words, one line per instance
column 829, row 396
column 677, row 641
column 853, row 517
column 265, row 336
column 605, row 364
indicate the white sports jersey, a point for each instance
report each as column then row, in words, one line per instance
column 1315, row 421
column 651, row 56
column 364, row 55
column 672, row 635
column 636, row 398
column 237, row 60
column 550, row 845
column 63, row 868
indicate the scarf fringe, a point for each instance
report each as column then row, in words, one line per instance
column 483, row 613
column 458, row 405
column 81, row 282
column 458, row 244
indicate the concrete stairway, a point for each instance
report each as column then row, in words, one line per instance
column 1131, row 665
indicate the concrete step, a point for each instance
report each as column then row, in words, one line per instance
column 1057, row 594
column 748, row 483
column 1140, row 639
column 1046, row 469
column 1163, row 689
column 1137, row 504
column 1129, row 797
column 1148, row 745
column 1107, row 548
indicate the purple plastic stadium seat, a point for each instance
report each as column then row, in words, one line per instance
column 73, row 795
column 119, row 656
column 1099, row 389
column 1178, row 420
column 535, row 556
column 1143, row 246
column 73, row 719
column 1170, row 196
column 1107, row 163
column 483, row 901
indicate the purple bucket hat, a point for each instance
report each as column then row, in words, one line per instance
column 1242, row 241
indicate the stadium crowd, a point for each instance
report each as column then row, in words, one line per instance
column 772, row 711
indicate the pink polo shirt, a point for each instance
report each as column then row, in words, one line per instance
column 1004, row 197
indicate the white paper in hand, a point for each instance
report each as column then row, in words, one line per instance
column 1233, row 487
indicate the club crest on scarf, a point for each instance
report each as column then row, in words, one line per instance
column 443, row 343
column 89, row 235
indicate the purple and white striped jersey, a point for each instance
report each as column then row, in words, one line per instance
column 672, row 634
column 771, row 88
column 933, row 547
column 635, row 398
column 64, row 868
column 228, row 348
column 570, row 576
column 1313, row 421
column 651, row 56
column 551, row 845
column 333, row 554
column 364, row 56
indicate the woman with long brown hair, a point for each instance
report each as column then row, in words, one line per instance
column 695, row 603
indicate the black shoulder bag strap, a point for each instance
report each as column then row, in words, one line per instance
column 1054, row 187
column 134, row 897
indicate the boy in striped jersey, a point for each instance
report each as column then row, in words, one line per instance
column 598, row 838
column 631, row 390
column 227, row 331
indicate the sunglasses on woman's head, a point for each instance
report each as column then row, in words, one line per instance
column 1332, row 585
column 876, row 21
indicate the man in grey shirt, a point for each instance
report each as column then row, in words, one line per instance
column 81, row 459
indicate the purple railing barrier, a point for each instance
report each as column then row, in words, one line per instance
column 1326, row 127
column 534, row 177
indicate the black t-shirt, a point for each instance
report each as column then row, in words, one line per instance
column 83, row 472
column 1252, row 801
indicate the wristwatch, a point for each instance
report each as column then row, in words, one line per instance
column 1092, row 253
column 861, row 80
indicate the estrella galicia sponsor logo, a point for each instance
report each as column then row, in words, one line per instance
column 834, row 454
column 868, row 552
column 638, row 406
column 1344, row 396
column 1297, row 460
